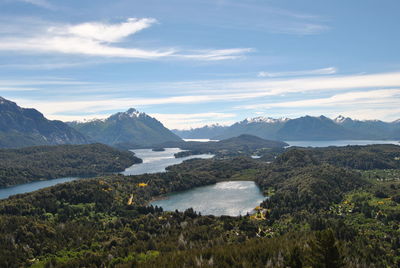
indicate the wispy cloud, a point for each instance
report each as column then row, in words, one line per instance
column 39, row 3
column 272, row 19
column 87, row 39
column 349, row 98
column 100, row 39
column 42, row 82
column 322, row 71
column 186, row 121
column 217, row 54
column 103, row 32
column 383, row 90
column 47, row 65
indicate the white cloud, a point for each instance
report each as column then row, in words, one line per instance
column 3, row 89
column 47, row 65
column 171, row 121
column 108, row 32
column 349, row 98
column 186, row 121
column 299, row 85
column 87, row 39
column 364, row 92
column 42, row 82
column 39, row 3
column 272, row 19
column 98, row 39
column 218, row 54
column 323, row 71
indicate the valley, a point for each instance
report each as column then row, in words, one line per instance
column 199, row 134
column 155, row 203
column 314, row 200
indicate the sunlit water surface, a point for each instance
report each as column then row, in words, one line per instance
column 232, row 198
column 154, row 162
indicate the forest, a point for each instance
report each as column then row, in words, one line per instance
column 49, row 162
column 319, row 211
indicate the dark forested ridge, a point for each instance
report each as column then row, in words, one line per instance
column 21, row 127
column 385, row 156
column 241, row 145
column 48, row 162
column 321, row 212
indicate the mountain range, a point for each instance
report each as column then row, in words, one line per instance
column 20, row 127
column 126, row 129
column 303, row 128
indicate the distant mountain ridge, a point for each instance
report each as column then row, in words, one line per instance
column 302, row 128
column 21, row 127
column 126, row 129
column 200, row 133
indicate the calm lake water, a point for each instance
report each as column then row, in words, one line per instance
column 199, row 140
column 232, row 198
column 154, row 162
column 339, row 143
column 31, row 186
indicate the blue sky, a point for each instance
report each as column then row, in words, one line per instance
column 191, row 63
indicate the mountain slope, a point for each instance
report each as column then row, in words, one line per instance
column 370, row 129
column 305, row 128
column 20, row 127
column 131, row 128
column 314, row 128
column 206, row 132
column 263, row 127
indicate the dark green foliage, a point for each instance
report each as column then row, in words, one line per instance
column 48, row 162
column 384, row 156
column 324, row 251
column 320, row 215
column 242, row 145
column 311, row 188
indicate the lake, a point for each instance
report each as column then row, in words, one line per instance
column 339, row 143
column 199, row 140
column 232, row 198
column 31, row 186
column 154, row 162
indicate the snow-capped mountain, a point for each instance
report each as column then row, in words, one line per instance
column 262, row 119
column 303, row 128
column 132, row 127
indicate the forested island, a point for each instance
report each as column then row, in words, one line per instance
column 49, row 162
column 321, row 212
column 237, row 146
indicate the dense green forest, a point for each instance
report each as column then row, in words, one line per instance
column 48, row 162
column 321, row 212
column 241, row 145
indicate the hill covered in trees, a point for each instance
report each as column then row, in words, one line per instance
column 241, row 145
column 319, row 213
column 49, row 162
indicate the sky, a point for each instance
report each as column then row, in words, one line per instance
column 198, row 62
